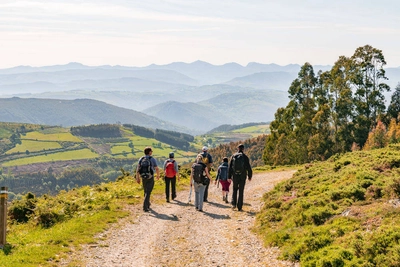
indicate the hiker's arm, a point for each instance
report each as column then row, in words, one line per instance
column 157, row 172
column 137, row 176
column 208, row 174
column 249, row 170
column 177, row 170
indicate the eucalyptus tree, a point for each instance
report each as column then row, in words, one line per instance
column 394, row 106
column 320, row 143
column 301, row 94
column 367, row 77
column 341, row 104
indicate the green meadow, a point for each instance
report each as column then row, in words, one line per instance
column 31, row 146
column 67, row 155
column 59, row 137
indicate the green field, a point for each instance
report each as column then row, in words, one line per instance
column 59, row 137
column 254, row 130
column 68, row 155
column 33, row 146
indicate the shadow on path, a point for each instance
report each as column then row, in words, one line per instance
column 170, row 217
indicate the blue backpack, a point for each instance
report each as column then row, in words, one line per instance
column 223, row 172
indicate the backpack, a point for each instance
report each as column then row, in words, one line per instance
column 238, row 163
column 170, row 169
column 205, row 159
column 223, row 172
column 198, row 172
column 145, row 168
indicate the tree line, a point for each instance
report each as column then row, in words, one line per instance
column 97, row 131
column 333, row 111
column 177, row 139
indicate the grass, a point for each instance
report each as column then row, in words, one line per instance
column 67, row 155
column 32, row 146
column 59, row 137
column 337, row 213
column 81, row 214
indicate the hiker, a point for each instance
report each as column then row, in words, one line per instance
column 198, row 179
column 207, row 159
column 222, row 178
column 145, row 171
column 239, row 168
column 171, row 172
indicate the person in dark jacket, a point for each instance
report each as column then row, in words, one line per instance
column 239, row 175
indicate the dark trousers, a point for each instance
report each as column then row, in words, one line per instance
column 172, row 182
column 148, row 185
column 238, row 185
column 206, row 193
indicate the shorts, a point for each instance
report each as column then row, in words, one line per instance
column 225, row 185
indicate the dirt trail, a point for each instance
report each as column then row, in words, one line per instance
column 175, row 234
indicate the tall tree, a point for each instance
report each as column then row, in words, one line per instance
column 367, row 77
column 394, row 106
column 341, row 104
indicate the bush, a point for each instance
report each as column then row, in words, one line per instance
column 21, row 210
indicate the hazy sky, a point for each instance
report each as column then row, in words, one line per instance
column 139, row 33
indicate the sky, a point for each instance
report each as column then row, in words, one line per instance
column 144, row 32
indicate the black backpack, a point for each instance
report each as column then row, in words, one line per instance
column 223, row 172
column 198, row 172
column 145, row 168
column 238, row 163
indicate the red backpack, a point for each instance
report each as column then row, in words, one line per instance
column 170, row 169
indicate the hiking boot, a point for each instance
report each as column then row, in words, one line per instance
column 223, row 198
column 167, row 200
column 173, row 197
column 226, row 200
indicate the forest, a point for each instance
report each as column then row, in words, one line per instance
column 335, row 111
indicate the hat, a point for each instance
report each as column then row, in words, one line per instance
column 205, row 148
column 171, row 154
column 241, row 146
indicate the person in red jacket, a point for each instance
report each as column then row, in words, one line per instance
column 171, row 173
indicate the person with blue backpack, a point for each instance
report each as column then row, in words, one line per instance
column 239, row 169
column 222, row 178
column 146, row 167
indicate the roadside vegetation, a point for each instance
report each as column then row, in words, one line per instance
column 341, row 212
column 42, row 230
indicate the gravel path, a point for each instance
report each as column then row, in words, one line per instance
column 175, row 234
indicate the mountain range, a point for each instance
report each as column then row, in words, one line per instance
column 194, row 96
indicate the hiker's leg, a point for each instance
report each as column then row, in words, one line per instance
column 202, row 189
column 148, row 187
column 242, row 183
column 234, row 192
column 173, row 187
column 196, row 194
column 167, row 182
column 205, row 198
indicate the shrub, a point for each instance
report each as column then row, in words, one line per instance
column 21, row 210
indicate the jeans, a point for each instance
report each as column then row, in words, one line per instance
column 199, row 195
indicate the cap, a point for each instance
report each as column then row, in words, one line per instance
column 241, row 146
column 171, row 154
column 205, row 148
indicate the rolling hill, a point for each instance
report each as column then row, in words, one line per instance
column 74, row 113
